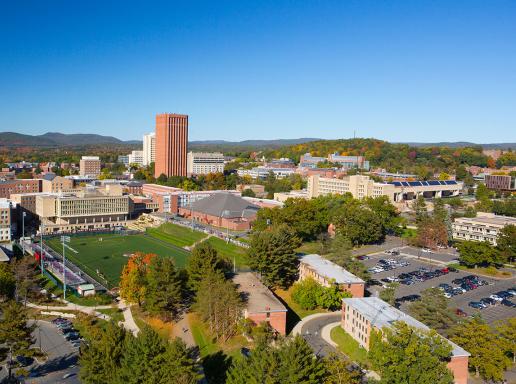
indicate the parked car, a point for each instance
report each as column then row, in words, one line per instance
column 476, row 305
column 496, row 297
column 459, row 312
column 426, row 250
column 508, row 303
column 488, row 301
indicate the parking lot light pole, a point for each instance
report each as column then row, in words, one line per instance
column 64, row 239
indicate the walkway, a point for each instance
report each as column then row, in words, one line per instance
column 183, row 331
column 129, row 323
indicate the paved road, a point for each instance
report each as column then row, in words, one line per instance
column 389, row 243
column 311, row 332
column 62, row 357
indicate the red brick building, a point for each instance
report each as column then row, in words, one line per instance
column 9, row 187
column 223, row 210
column 171, row 145
column 361, row 315
column 327, row 273
column 260, row 303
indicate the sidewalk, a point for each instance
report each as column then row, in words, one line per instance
column 182, row 330
column 129, row 323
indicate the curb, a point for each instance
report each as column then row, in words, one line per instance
column 297, row 328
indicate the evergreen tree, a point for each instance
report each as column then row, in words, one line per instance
column 433, row 310
column 486, row 348
column 7, row 282
column 420, row 210
column 403, row 354
column 219, row 304
column 291, row 362
column 149, row 359
column 15, row 333
column 204, row 258
column 388, row 294
column 273, row 254
column 164, row 291
column 101, row 356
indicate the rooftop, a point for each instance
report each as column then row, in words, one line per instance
column 490, row 219
column 225, row 205
column 258, row 297
column 330, row 270
column 380, row 314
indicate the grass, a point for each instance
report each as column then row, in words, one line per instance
column 230, row 251
column 176, row 234
column 163, row 328
column 208, row 345
column 349, row 346
column 295, row 312
column 408, row 233
column 488, row 271
column 110, row 255
column 310, row 247
column 115, row 314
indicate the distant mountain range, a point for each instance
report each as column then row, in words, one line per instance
column 55, row 139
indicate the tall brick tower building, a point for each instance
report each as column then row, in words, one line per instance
column 171, row 144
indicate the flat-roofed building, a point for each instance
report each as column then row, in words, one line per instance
column 82, row 211
column 263, row 172
column 284, row 196
column 171, row 144
column 202, row 163
column 136, row 157
column 328, row 273
column 51, row 183
column 5, row 220
column 500, row 182
column 9, row 187
column 260, row 303
column 361, row 315
column 361, row 186
column 89, row 166
column 484, row 227
column 149, row 148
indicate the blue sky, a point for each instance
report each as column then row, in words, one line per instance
column 394, row 70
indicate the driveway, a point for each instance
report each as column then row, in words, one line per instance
column 311, row 329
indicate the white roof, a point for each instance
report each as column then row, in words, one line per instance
column 330, row 270
column 380, row 314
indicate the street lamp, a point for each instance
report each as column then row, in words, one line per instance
column 23, row 231
column 64, row 239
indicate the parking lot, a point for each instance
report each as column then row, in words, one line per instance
column 448, row 255
column 490, row 314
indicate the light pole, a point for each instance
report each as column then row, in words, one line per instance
column 41, row 247
column 64, row 239
column 23, row 231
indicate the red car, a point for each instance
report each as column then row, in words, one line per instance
column 459, row 312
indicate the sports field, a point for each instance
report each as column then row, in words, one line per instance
column 176, row 234
column 110, row 255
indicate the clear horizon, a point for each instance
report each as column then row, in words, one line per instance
column 398, row 71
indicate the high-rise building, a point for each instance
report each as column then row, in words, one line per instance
column 89, row 166
column 149, row 148
column 171, row 144
column 136, row 157
column 202, row 163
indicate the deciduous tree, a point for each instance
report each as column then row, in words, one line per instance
column 474, row 253
column 403, row 354
column 132, row 280
column 487, row 354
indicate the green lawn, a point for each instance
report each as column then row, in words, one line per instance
column 115, row 314
column 349, row 346
column 230, row 251
column 110, row 255
column 176, row 234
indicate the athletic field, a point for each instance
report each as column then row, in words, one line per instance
column 110, row 254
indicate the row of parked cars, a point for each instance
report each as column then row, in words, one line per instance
column 69, row 332
column 501, row 297
column 421, row 274
column 462, row 285
column 387, row 265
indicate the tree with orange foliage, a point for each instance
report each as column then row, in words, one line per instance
column 132, row 280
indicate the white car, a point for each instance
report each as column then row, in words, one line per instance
column 496, row 297
column 426, row 250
